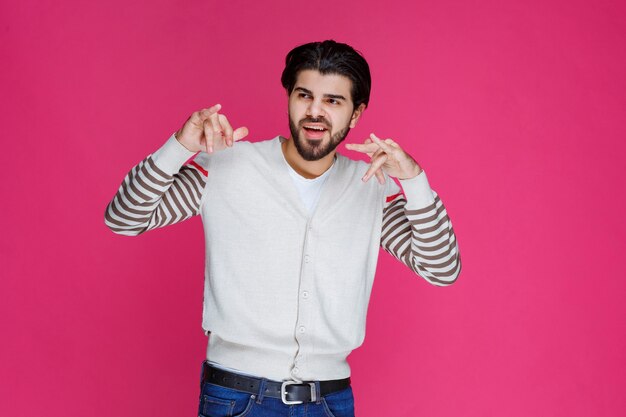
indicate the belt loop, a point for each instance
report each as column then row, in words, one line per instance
column 261, row 395
column 318, row 391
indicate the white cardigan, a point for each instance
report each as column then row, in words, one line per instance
column 286, row 293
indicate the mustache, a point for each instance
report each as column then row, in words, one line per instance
column 315, row 120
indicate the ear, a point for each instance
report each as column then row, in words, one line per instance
column 356, row 114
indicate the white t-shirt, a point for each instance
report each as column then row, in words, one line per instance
column 309, row 189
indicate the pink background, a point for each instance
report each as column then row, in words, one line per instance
column 516, row 110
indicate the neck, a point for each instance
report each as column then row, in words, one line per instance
column 307, row 169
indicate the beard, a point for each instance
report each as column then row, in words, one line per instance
column 314, row 150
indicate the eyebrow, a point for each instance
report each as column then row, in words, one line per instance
column 335, row 96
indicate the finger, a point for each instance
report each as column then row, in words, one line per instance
column 363, row 148
column 379, row 173
column 380, row 176
column 217, row 128
column 240, row 133
column 228, row 129
column 384, row 145
column 206, row 113
column 208, row 135
column 374, row 166
column 372, row 154
column 375, row 154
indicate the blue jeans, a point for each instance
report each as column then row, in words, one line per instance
column 217, row 401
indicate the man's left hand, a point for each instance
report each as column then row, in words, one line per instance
column 386, row 155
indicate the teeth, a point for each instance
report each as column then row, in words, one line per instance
column 315, row 128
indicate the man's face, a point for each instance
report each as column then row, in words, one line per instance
column 321, row 113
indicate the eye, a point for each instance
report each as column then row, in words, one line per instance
column 333, row 101
column 304, row 95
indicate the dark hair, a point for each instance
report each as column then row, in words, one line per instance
column 330, row 57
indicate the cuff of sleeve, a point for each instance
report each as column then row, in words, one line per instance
column 171, row 156
column 417, row 192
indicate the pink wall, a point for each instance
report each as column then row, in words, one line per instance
column 514, row 108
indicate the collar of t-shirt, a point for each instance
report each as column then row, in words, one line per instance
column 309, row 189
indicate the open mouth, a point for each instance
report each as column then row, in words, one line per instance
column 314, row 131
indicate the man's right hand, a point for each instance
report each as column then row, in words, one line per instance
column 207, row 130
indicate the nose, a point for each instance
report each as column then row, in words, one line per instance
column 315, row 109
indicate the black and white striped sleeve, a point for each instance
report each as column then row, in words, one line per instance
column 157, row 192
column 418, row 232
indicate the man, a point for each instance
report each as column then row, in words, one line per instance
column 293, row 231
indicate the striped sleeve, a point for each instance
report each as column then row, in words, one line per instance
column 157, row 192
column 418, row 232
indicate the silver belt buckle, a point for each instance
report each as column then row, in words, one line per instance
column 283, row 392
